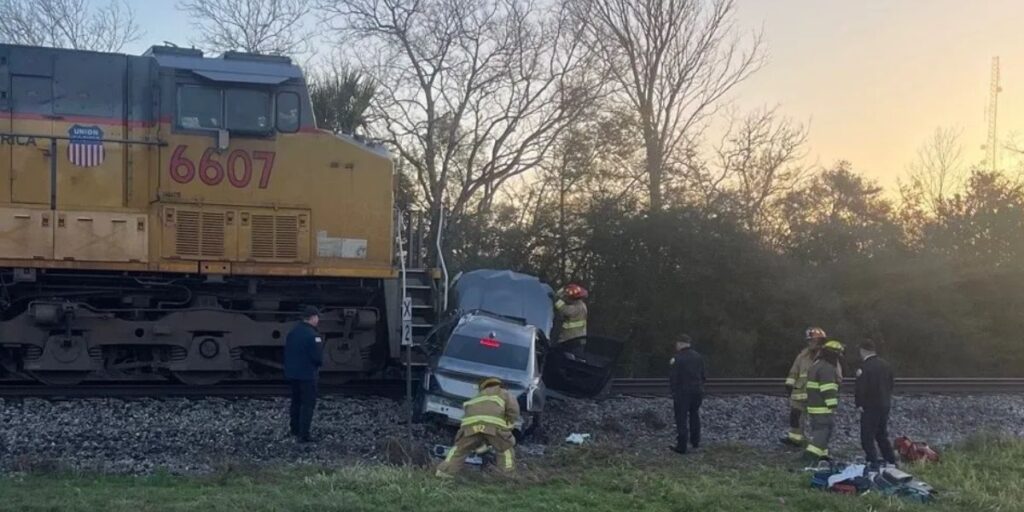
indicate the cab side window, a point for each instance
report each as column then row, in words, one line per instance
column 199, row 108
column 287, row 112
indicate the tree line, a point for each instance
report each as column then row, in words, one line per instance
column 594, row 141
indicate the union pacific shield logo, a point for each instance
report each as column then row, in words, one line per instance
column 85, row 149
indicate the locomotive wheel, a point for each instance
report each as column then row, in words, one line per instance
column 59, row 378
column 198, row 378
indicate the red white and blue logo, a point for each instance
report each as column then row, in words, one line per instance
column 85, row 149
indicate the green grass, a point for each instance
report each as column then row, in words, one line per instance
column 983, row 475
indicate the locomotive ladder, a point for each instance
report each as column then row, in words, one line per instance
column 423, row 290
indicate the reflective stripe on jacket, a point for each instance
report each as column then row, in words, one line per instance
column 574, row 319
column 822, row 388
column 490, row 412
column 797, row 377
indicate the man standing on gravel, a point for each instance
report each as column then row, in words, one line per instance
column 796, row 383
column 302, row 360
column 874, row 399
column 686, row 378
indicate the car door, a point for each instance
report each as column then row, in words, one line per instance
column 582, row 367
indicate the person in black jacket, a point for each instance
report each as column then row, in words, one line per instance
column 302, row 360
column 686, row 378
column 874, row 399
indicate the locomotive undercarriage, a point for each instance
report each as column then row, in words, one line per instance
column 61, row 327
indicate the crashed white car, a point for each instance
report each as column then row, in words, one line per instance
column 499, row 327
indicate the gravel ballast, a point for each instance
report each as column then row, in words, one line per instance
column 200, row 436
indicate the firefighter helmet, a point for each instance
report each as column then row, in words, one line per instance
column 834, row 345
column 488, row 382
column 575, row 292
column 815, row 333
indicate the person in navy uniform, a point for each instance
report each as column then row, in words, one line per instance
column 302, row 360
column 873, row 397
column 686, row 379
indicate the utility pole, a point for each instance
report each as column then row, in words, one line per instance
column 991, row 146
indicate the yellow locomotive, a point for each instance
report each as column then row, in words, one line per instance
column 167, row 214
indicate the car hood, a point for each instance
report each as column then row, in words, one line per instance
column 505, row 293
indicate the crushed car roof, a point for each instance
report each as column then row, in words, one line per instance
column 506, row 293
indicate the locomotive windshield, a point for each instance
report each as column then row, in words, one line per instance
column 199, row 108
column 248, row 110
column 237, row 110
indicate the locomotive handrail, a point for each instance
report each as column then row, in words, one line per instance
column 64, row 137
column 53, row 152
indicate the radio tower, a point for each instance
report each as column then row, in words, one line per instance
column 992, row 143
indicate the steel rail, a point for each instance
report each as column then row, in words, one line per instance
column 386, row 388
column 905, row 386
column 395, row 388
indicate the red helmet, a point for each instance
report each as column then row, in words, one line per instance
column 575, row 291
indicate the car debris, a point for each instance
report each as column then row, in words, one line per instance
column 577, row 439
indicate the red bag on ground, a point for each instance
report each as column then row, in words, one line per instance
column 911, row 451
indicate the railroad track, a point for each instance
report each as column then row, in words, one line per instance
column 396, row 388
column 906, row 386
column 157, row 390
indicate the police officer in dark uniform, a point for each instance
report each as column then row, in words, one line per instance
column 874, row 399
column 686, row 378
column 302, row 360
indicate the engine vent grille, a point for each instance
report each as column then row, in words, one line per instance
column 263, row 236
column 187, row 243
column 200, row 234
column 275, row 237
column 213, row 235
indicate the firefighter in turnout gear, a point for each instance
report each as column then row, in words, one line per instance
column 823, row 398
column 796, row 382
column 487, row 421
column 572, row 310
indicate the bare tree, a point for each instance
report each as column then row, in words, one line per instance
column 758, row 161
column 76, row 24
column 257, row 26
column 939, row 170
column 1015, row 147
column 672, row 61
column 470, row 92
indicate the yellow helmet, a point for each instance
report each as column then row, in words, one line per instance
column 488, row 382
column 834, row 345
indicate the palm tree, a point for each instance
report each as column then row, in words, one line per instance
column 341, row 98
